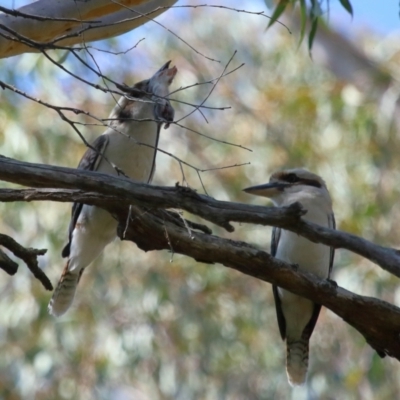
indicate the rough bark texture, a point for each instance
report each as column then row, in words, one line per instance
column 377, row 320
column 221, row 213
column 155, row 228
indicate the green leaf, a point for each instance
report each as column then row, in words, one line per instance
column 311, row 36
column 303, row 17
column 280, row 8
column 347, row 5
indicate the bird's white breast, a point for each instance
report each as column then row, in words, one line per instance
column 311, row 257
column 132, row 149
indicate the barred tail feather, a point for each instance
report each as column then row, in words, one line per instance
column 297, row 361
column 65, row 292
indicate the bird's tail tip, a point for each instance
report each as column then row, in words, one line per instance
column 64, row 293
column 55, row 310
column 297, row 362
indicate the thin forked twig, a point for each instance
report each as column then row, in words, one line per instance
column 212, row 138
column 259, row 13
column 29, row 256
column 167, row 29
column 114, row 53
column 212, row 89
column 207, row 82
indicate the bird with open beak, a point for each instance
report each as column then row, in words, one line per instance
column 127, row 147
column 296, row 315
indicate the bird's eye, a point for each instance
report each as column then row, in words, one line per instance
column 143, row 87
column 292, row 178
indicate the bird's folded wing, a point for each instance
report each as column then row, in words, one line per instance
column 89, row 162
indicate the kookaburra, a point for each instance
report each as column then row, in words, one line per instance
column 296, row 315
column 128, row 147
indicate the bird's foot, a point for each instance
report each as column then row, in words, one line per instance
column 188, row 192
column 332, row 282
column 296, row 267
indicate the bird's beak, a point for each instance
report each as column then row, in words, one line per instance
column 164, row 74
column 267, row 190
column 165, row 66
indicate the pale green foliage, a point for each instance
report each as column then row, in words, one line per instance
column 310, row 13
column 149, row 328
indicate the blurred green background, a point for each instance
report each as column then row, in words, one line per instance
column 161, row 326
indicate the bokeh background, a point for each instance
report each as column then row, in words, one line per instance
column 161, row 326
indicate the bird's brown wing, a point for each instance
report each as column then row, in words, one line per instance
column 276, row 234
column 153, row 166
column 163, row 114
column 89, row 162
column 332, row 225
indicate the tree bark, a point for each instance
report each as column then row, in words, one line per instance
column 67, row 18
column 154, row 228
column 123, row 190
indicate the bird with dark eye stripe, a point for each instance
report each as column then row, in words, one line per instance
column 296, row 315
column 291, row 178
column 303, row 179
column 128, row 147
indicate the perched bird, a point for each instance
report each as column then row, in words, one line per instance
column 128, row 147
column 296, row 315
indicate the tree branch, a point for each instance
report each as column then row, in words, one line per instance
column 45, row 24
column 120, row 190
column 377, row 320
column 29, row 256
column 153, row 228
column 7, row 264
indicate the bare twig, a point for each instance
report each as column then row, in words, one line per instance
column 259, row 13
column 7, row 264
column 153, row 228
column 101, row 28
column 221, row 213
column 16, row 13
column 29, row 256
column 228, row 166
column 212, row 88
column 115, row 53
column 212, row 138
column 377, row 320
column 60, row 110
column 207, row 82
column 167, row 29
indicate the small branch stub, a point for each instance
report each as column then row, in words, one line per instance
column 29, row 256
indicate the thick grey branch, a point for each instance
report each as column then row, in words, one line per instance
column 122, row 190
column 376, row 320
